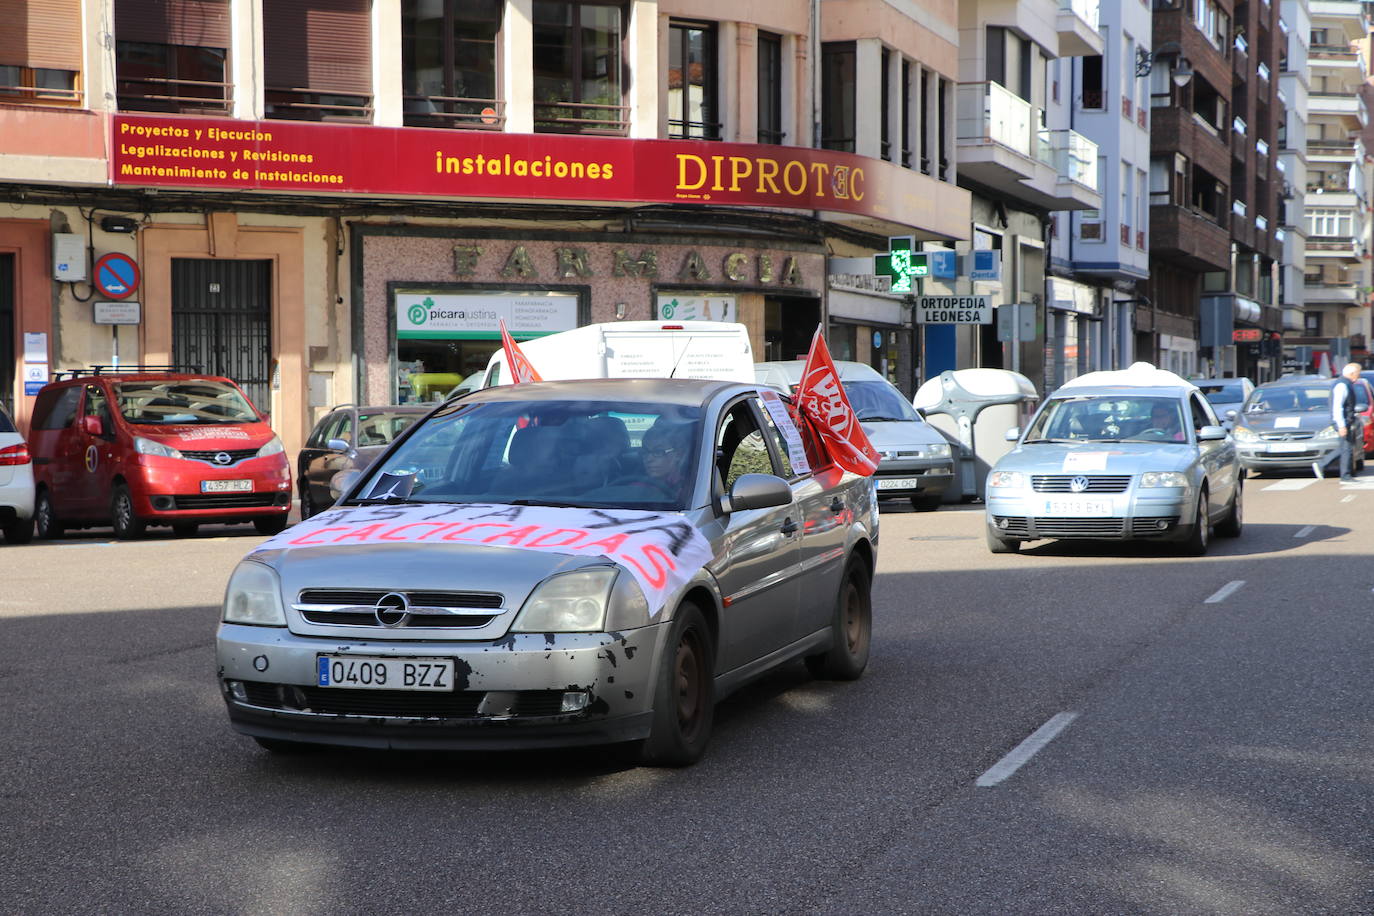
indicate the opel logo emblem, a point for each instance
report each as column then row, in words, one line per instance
column 223, row 458
column 1078, row 484
column 393, row 609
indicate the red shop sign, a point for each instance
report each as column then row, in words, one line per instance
column 1246, row 335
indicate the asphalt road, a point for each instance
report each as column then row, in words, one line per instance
column 1218, row 756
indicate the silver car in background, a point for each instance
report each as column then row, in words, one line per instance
column 382, row 622
column 1287, row 425
column 916, row 461
column 1117, row 461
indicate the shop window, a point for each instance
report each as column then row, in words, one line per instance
column 885, row 106
column 449, row 63
column 837, row 96
column 1312, row 324
column 770, row 88
column 317, row 59
column 40, row 53
column 579, row 83
column 172, row 56
column 693, row 82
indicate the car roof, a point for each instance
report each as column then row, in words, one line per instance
column 1220, row 381
column 85, row 378
column 1117, row 391
column 685, row 392
column 1293, row 380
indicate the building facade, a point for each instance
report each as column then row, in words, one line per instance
column 337, row 201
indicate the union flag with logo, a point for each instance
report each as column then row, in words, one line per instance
column 821, row 397
column 520, row 368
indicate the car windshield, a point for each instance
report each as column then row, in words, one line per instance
column 1109, row 419
column 877, row 401
column 1289, row 398
column 197, row 401
column 547, row 452
column 1222, row 394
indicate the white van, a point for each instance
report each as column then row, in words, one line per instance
column 636, row 349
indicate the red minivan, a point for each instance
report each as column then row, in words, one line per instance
column 138, row 448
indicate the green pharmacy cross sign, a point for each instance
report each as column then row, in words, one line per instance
column 902, row 263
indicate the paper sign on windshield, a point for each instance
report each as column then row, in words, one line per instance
column 796, row 454
column 660, row 549
column 1085, row 461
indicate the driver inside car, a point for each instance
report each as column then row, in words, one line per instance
column 664, row 452
column 1163, row 423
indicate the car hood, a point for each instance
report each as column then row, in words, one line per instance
column 1098, row 457
column 206, row 437
column 418, row 566
column 896, row 434
column 1310, row 420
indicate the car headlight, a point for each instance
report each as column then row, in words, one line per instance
column 149, row 447
column 1007, row 479
column 1328, row 433
column 253, row 596
column 1244, row 434
column 273, row 447
column 570, row 602
column 938, row 451
column 1163, row 479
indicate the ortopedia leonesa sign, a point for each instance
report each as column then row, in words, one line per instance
column 954, row 310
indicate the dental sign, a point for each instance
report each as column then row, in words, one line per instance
column 296, row 156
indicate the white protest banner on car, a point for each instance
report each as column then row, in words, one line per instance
column 660, row 549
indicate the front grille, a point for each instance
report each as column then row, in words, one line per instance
column 1097, row 483
column 1295, row 435
column 393, row 704
column 354, row 608
column 235, row 455
column 1144, row 527
column 225, row 501
column 1079, row 527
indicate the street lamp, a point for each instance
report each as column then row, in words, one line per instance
column 1180, row 70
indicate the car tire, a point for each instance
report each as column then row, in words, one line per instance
column 1231, row 525
column 851, row 629
column 1000, row 544
column 280, row 746
column 185, row 529
column 684, row 693
column 19, row 531
column 270, row 524
column 1200, row 538
column 126, row 522
column 307, row 503
column 45, row 522
column 926, row 503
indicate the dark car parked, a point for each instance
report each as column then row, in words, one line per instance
column 348, row 438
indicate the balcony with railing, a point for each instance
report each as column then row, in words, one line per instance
column 1077, row 25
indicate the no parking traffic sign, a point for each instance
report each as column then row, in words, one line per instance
column 116, row 276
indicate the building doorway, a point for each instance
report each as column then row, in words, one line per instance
column 222, row 321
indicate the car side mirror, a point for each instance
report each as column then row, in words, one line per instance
column 93, row 426
column 1211, row 433
column 757, row 491
column 339, row 445
column 1013, row 434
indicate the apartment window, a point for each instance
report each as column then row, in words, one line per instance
column 1335, row 223
column 172, row 56
column 1142, row 207
column 317, row 59
column 925, row 122
column 942, row 117
column 1318, row 38
column 1312, row 324
column 837, row 96
column 885, row 106
column 770, row 88
column 1094, row 92
column 693, row 82
column 1090, row 226
column 40, row 53
column 1123, row 215
column 578, row 68
column 1212, row 22
column 1128, row 77
column 1009, row 59
column 449, row 63
column 907, row 88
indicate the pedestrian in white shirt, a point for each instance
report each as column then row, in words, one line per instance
column 1343, row 416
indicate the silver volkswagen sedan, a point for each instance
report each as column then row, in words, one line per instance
column 555, row 564
column 1117, row 461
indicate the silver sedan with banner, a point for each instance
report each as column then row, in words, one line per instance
column 1131, row 454
column 555, row 564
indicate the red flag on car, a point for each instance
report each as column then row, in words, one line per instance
column 520, row 368
column 821, row 397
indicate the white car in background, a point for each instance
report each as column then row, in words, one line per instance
column 16, row 483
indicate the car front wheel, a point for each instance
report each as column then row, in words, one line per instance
column 1201, row 537
column 126, row 522
column 1000, row 544
column 1231, row 525
column 684, row 695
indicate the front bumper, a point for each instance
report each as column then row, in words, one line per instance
column 167, row 490
column 1165, row 513
column 911, row 477
column 507, row 691
column 1260, row 455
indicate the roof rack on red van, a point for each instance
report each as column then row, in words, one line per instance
column 120, row 370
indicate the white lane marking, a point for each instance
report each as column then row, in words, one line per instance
column 1292, row 484
column 1349, row 498
column 1305, row 530
column 1226, row 591
column 1023, row 752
